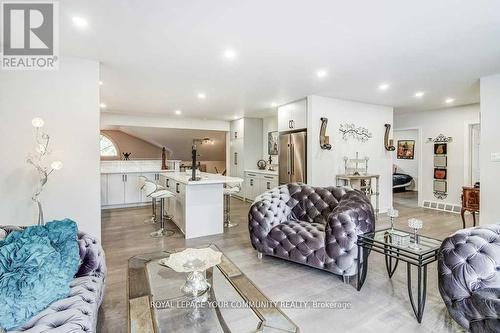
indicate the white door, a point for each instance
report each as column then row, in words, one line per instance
column 132, row 191
column 116, row 189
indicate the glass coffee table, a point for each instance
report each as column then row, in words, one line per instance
column 384, row 242
column 235, row 304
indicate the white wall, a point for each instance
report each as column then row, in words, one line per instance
column 409, row 167
column 324, row 165
column 68, row 101
column 269, row 124
column 452, row 122
column 490, row 143
column 118, row 119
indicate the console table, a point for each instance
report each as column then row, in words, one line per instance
column 363, row 183
column 470, row 202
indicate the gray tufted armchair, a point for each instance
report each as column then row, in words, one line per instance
column 77, row 312
column 469, row 277
column 315, row 226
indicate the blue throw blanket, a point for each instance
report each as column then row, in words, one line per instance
column 36, row 268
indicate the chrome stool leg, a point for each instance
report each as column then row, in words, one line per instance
column 162, row 231
column 227, row 212
column 152, row 219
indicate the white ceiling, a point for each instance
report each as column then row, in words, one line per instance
column 179, row 141
column 158, row 55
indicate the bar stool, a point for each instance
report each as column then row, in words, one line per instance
column 159, row 192
column 147, row 192
column 228, row 192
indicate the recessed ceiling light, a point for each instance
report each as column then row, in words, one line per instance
column 178, row 112
column 80, row 22
column 103, row 106
column 383, row 86
column 419, row 94
column 202, row 96
column 101, row 83
column 274, row 104
column 321, row 73
column 230, row 54
column 449, row 100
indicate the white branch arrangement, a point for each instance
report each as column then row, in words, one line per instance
column 36, row 159
column 351, row 131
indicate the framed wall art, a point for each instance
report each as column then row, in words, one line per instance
column 440, row 161
column 440, row 149
column 440, row 173
column 406, row 149
column 272, row 143
column 440, row 186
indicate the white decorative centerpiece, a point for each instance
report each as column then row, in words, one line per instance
column 36, row 159
column 194, row 262
column 415, row 225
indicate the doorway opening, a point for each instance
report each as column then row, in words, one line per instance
column 406, row 167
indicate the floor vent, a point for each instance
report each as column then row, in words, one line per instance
column 442, row 206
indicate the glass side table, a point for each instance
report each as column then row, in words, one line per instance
column 381, row 241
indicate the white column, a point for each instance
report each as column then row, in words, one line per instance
column 490, row 150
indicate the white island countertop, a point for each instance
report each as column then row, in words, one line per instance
column 206, row 178
column 264, row 171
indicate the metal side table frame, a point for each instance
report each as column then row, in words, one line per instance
column 380, row 241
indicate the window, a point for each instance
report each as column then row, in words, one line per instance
column 108, row 148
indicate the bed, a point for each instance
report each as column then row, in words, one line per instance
column 400, row 181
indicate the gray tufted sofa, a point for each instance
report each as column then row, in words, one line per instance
column 77, row 312
column 469, row 277
column 315, row 226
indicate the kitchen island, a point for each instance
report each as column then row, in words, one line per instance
column 197, row 207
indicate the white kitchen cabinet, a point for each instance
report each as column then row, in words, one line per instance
column 131, row 188
column 245, row 147
column 116, row 189
column 292, row 116
column 257, row 183
column 252, row 185
column 237, row 128
column 268, row 182
column 121, row 189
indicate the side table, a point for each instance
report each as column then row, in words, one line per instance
column 381, row 242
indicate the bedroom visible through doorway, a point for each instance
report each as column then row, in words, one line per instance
column 405, row 178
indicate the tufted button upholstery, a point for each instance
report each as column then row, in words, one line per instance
column 315, row 226
column 78, row 311
column 469, row 277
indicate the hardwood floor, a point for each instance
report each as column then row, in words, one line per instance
column 382, row 304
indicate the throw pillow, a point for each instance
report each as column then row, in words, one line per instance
column 3, row 234
column 36, row 268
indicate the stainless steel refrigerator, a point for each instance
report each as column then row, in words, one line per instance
column 292, row 157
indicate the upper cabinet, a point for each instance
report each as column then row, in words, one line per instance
column 292, row 116
column 237, row 129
